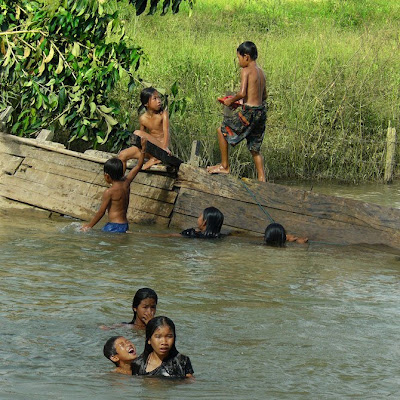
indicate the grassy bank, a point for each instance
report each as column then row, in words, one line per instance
column 332, row 71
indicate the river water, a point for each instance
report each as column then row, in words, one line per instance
column 304, row 322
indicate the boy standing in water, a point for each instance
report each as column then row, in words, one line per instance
column 116, row 198
column 249, row 121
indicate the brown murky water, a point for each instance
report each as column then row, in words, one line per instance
column 304, row 322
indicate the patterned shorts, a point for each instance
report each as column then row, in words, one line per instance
column 248, row 122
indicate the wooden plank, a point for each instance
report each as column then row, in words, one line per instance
column 23, row 191
column 65, row 201
column 157, row 152
column 9, row 164
column 22, row 149
column 83, row 192
column 251, row 217
column 91, row 178
column 141, row 217
column 69, row 159
column 291, row 200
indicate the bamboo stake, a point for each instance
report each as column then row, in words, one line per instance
column 390, row 154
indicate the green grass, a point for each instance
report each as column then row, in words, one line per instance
column 332, row 72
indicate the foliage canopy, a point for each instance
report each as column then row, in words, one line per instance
column 59, row 64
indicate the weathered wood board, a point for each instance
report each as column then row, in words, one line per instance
column 156, row 151
column 248, row 205
column 73, row 183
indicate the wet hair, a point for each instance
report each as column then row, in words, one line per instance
column 275, row 235
column 109, row 349
column 248, row 48
column 142, row 294
column 214, row 220
column 145, row 96
column 151, row 327
column 114, row 168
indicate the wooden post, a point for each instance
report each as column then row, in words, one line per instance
column 194, row 155
column 4, row 117
column 45, row 135
column 390, row 154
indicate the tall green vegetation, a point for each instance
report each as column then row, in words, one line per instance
column 331, row 66
column 333, row 77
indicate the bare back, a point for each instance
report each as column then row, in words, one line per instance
column 253, row 80
column 119, row 201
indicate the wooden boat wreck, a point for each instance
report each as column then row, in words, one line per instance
column 45, row 175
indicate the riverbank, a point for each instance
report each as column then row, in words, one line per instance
column 332, row 77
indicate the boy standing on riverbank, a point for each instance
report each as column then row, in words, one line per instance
column 249, row 120
column 116, row 198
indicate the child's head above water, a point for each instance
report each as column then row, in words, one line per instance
column 119, row 350
column 144, row 306
column 210, row 222
column 275, row 235
column 160, row 338
column 114, row 169
column 150, row 99
column 248, row 48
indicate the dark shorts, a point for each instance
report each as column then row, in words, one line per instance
column 248, row 122
column 114, row 227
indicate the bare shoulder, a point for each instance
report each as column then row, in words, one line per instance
column 143, row 119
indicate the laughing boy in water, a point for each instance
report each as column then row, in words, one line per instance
column 121, row 352
column 249, row 120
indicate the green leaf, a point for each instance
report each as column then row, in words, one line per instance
column 50, row 56
column 174, row 89
column 110, row 120
column 105, row 109
column 60, row 66
column 61, row 120
column 93, row 108
column 76, row 50
column 62, row 98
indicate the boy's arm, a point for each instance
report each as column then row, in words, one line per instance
column 166, row 129
column 243, row 89
column 134, row 171
column 102, row 210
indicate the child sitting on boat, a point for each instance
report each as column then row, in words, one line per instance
column 154, row 126
column 121, row 352
column 116, row 198
column 275, row 235
column 160, row 356
column 209, row 225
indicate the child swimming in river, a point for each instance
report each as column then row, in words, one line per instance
column 121, row 352
column 160, row 356
column 144, row 306
column 154, row 126
column 209, row 225
column 275, row 235
column 116, row 198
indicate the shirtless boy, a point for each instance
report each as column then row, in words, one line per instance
column 116, row 198
column 121, row 352
column 249, row 120
column 154, row 126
